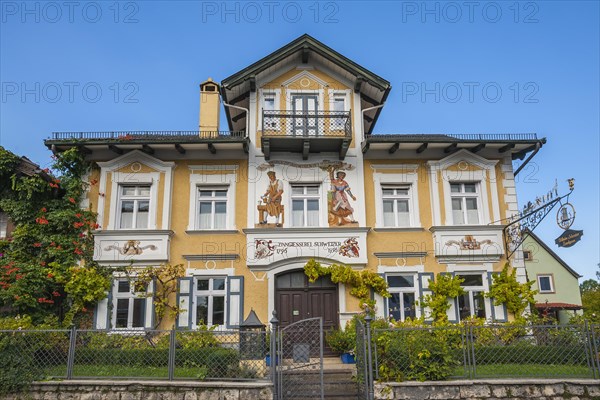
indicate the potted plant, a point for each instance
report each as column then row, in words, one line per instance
column 341, row 341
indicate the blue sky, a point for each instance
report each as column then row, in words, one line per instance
column 455, row 67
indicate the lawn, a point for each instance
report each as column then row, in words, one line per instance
column 528, row 371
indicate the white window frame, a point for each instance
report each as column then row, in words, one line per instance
column 410, row 179
column 470, row 289
column 550, row 278
column 345, row 94
column 484, row 173
column 130, row 296
column 113, row 168
column 135, row 199
column 210, row 293
column 201, row 178
column 3, row 225
column 213, row 200
column 306, row 197
column 414, row 290
column 463, row 196
column 396, row 198
column 264, row 93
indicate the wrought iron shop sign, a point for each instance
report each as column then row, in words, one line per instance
column 568, row 238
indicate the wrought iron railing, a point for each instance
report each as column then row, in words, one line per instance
column 144, row 135
column 478, row 137
column 306, row 124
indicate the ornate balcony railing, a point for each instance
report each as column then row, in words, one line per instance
column 286, row 123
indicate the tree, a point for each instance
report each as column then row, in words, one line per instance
column 590, row 298
column 47, row 267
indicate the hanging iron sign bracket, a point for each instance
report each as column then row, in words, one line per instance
column 530, row 218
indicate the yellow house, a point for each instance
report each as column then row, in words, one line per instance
column 299, row 174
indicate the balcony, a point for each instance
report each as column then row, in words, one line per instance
column 306, row 132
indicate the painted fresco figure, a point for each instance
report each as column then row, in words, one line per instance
column 272, row 201
column 339, row 205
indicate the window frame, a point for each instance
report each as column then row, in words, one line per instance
column 213, row 200
column 305, row 197
column 408, row 178
column 414, row 290
column 210, row 293
column 470, row 289
column 263, row 94
column 204, row 178
column 337, row 94
column 396, row 198
column 551, row 281
column 527, row 255
column 463, row 196
column 135, row 198
column 131, row 296
column 3, row 225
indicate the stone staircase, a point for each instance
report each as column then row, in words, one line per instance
column 338, row 381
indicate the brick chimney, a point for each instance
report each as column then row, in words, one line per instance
column 209, row 108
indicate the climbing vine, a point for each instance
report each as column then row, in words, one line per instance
column 506, row 289
column 47, row 267
column 165, row 286
column 445, row 286
column 361, row 282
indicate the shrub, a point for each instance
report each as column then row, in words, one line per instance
column 419, row 352
column 17, row 370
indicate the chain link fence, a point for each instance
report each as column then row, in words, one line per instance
column 477, row 352
column 151, row 354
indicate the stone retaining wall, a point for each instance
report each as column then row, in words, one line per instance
column 541, row 389
column 141, row 390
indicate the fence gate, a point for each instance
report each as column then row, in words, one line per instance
column 300, row 360
column 362, row 362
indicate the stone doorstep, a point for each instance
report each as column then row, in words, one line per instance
column 495, row 382
column 165, row 384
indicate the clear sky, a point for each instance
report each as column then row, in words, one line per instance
column 455, row 67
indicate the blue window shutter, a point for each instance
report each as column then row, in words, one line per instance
column 499, row 313
column 235, row 301
column 149, row 306
column 103, row 309
column 185, row 290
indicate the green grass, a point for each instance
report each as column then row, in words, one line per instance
column 527, row 371
column 120, row 371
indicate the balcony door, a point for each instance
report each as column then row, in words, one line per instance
column 304, row 106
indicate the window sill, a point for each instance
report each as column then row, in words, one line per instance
column 212, row 231
column 400, row 229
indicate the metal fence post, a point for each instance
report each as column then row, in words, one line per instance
column 594, row 350
column 273, row 352
column 171, row 361
column 589, row 350
column 71, row 354
column 368, row 320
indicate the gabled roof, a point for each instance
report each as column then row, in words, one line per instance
column 552, row 253
column 236, row 88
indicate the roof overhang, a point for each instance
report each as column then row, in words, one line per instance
column 102, row 145
column 426, row 145
column 557, row 306
column 236, row 89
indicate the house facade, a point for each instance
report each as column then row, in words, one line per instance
column 557, row 284
column 299, row 174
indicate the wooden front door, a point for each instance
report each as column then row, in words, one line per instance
column 297, row 299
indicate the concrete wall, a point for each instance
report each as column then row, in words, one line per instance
column 546, row 389
column 140, row 390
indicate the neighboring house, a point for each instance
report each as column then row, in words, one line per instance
column 557, row 283
column 25, row 167
column 298, row 175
